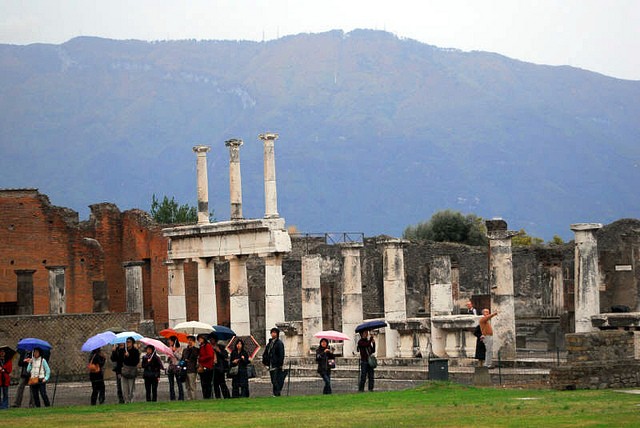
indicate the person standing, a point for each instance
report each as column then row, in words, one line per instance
column 487, row 335
column 6, row 366
column 190, row 359
column 206, row 360
column 481, row 350
column 174, row 373
column 240, row 382
column 366, row 347
column 96, row 376
column 273, row 357
column 117, row 357
column 129, row 370
column 24, row 379
column 39, row 369
column 323, row 356
column 151, row 365
column 220, row 389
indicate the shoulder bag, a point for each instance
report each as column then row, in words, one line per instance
column 251, row 371
column 93, row 368
column 129, row 372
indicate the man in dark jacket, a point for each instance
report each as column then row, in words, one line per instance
column 117, row 358
column 220, row 367
column 274, row 358
column 24, row 379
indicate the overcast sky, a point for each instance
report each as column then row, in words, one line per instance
column 597, row 35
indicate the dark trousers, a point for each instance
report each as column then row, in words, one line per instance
column 173, row 380
column 277, row 380
column 4, row 397
column 119, row 388
column 97, row 391
column 220, row 384
column 151, row 388
column 206, row 380
column 38, row 390
column 240, row 384
column 365, row 371
column 326, row 377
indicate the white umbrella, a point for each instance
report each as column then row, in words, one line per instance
column 193, row 327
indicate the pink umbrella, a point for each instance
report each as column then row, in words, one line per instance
column 160, row 347
column 331, row 335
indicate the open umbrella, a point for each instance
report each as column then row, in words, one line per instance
column 122, row 337
column 168, row 332
column 30, row 343
column 371, row 325
column 160, row 347
column 222, row 332
column 193, row 327
column 331, row 335
column 8, row 352
column 251, row 345
column 98, row 341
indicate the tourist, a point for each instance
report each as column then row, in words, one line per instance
column 470, row 309
column 96, row 376
column 24, row 379
column 151, row 365
column 273, row 357
column 481, row 350
column 130, row 370
column 175, row 370
column 190, row 361
column 366, row 347
column 39, row 376
column 220, row 389
column 6, row 367
column 240, row 359
column 206, row 360
column 117, row 357
column 487, row 335
column 324, row 358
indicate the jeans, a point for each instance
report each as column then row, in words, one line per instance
column 174, row 379
column 37, row 390
column 220, row 388
column 240, row 384
column 151, row 388
column 365, row 371
column 4, row 397
column 206, row 380
column 326, row 377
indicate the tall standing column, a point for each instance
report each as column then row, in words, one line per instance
column 207, row 306
column 57, row 295
column 501, row 282
column 270, row 193
column 203, row 183
column 311, row 300
column 177, row 303
column 440, row 286
column 235, row 178
column 395, row 304
column 133, row 283
column 587, row 275
column 351, row 294
column 239, row 295
column 273, row 293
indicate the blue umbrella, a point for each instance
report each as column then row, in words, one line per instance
column 98, row 341
column 222, row 332
column 29, row 343
column 122, row 337
column 371, row 325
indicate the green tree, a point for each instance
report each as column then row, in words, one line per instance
column 557, row 240
column 449, row 226
column 169, row 212
column 522, row 239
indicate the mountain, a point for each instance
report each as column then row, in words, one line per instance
column 376, row 132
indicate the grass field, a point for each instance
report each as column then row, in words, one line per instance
column 433, row 404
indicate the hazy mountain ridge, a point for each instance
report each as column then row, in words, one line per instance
column 376, row 132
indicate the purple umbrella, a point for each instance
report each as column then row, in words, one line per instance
column 98, row 341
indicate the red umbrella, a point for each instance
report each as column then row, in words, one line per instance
column 168, row 332
column 331, row 335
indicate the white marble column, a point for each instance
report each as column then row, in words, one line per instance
column 203, row 183
column 441, row 300
column 351, row 294
column 270, row 192
column 501, row 282
column 311, row 301
column 235, row 178
column 57, row 294
column 395, row 305
column 587, row 275
column 177, row 303
column 274, row 292
column 239, row 295
column 133, row 283
column 207, row 306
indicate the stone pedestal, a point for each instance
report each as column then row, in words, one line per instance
column 177, row 305
column 351, row 295
column 395, row 305
column 207, row 306
column 239, row 295
column 274, row 293
column 133, row 281
column 587, row 275
column 203, row 183
column 481, row 377
column 311, row 301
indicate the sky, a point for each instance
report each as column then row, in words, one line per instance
column 597, row 35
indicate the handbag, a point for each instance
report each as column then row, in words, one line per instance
column 251, row 371
column 93, row 367
column 372, row 361
column 34, row 380
column 331, row 363
column 129, row 372
column 233, row 371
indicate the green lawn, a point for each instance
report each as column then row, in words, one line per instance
column 434, row 404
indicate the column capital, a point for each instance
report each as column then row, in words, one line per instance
column 585, row 227
column 233, row 143
column 133, row 263
column 499, row 235
column 268, row 136
column 350, row 245
column 392, row 242
column 201, row 149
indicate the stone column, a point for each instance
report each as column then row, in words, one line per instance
column 395, row 305
column 311, row 301
column 501, row 283
column 270, row 193
column 235, row 179
column 587, row 275
column 351, row 294
column 207, row 306
column 273, row 293
column 133, row 281
column 203, row 183
column 553, row 292
column 57, row 295
column 441, row 300
column 177, row 303
column 239, row 295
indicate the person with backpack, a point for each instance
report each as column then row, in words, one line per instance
column 273, row 358
column 220, row 389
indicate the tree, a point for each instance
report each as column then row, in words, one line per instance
column 557, row 240
column 522, row 239
column 450, row 226
column 169, row 212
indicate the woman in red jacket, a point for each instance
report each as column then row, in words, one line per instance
column 206, row 360
column 5, row 379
